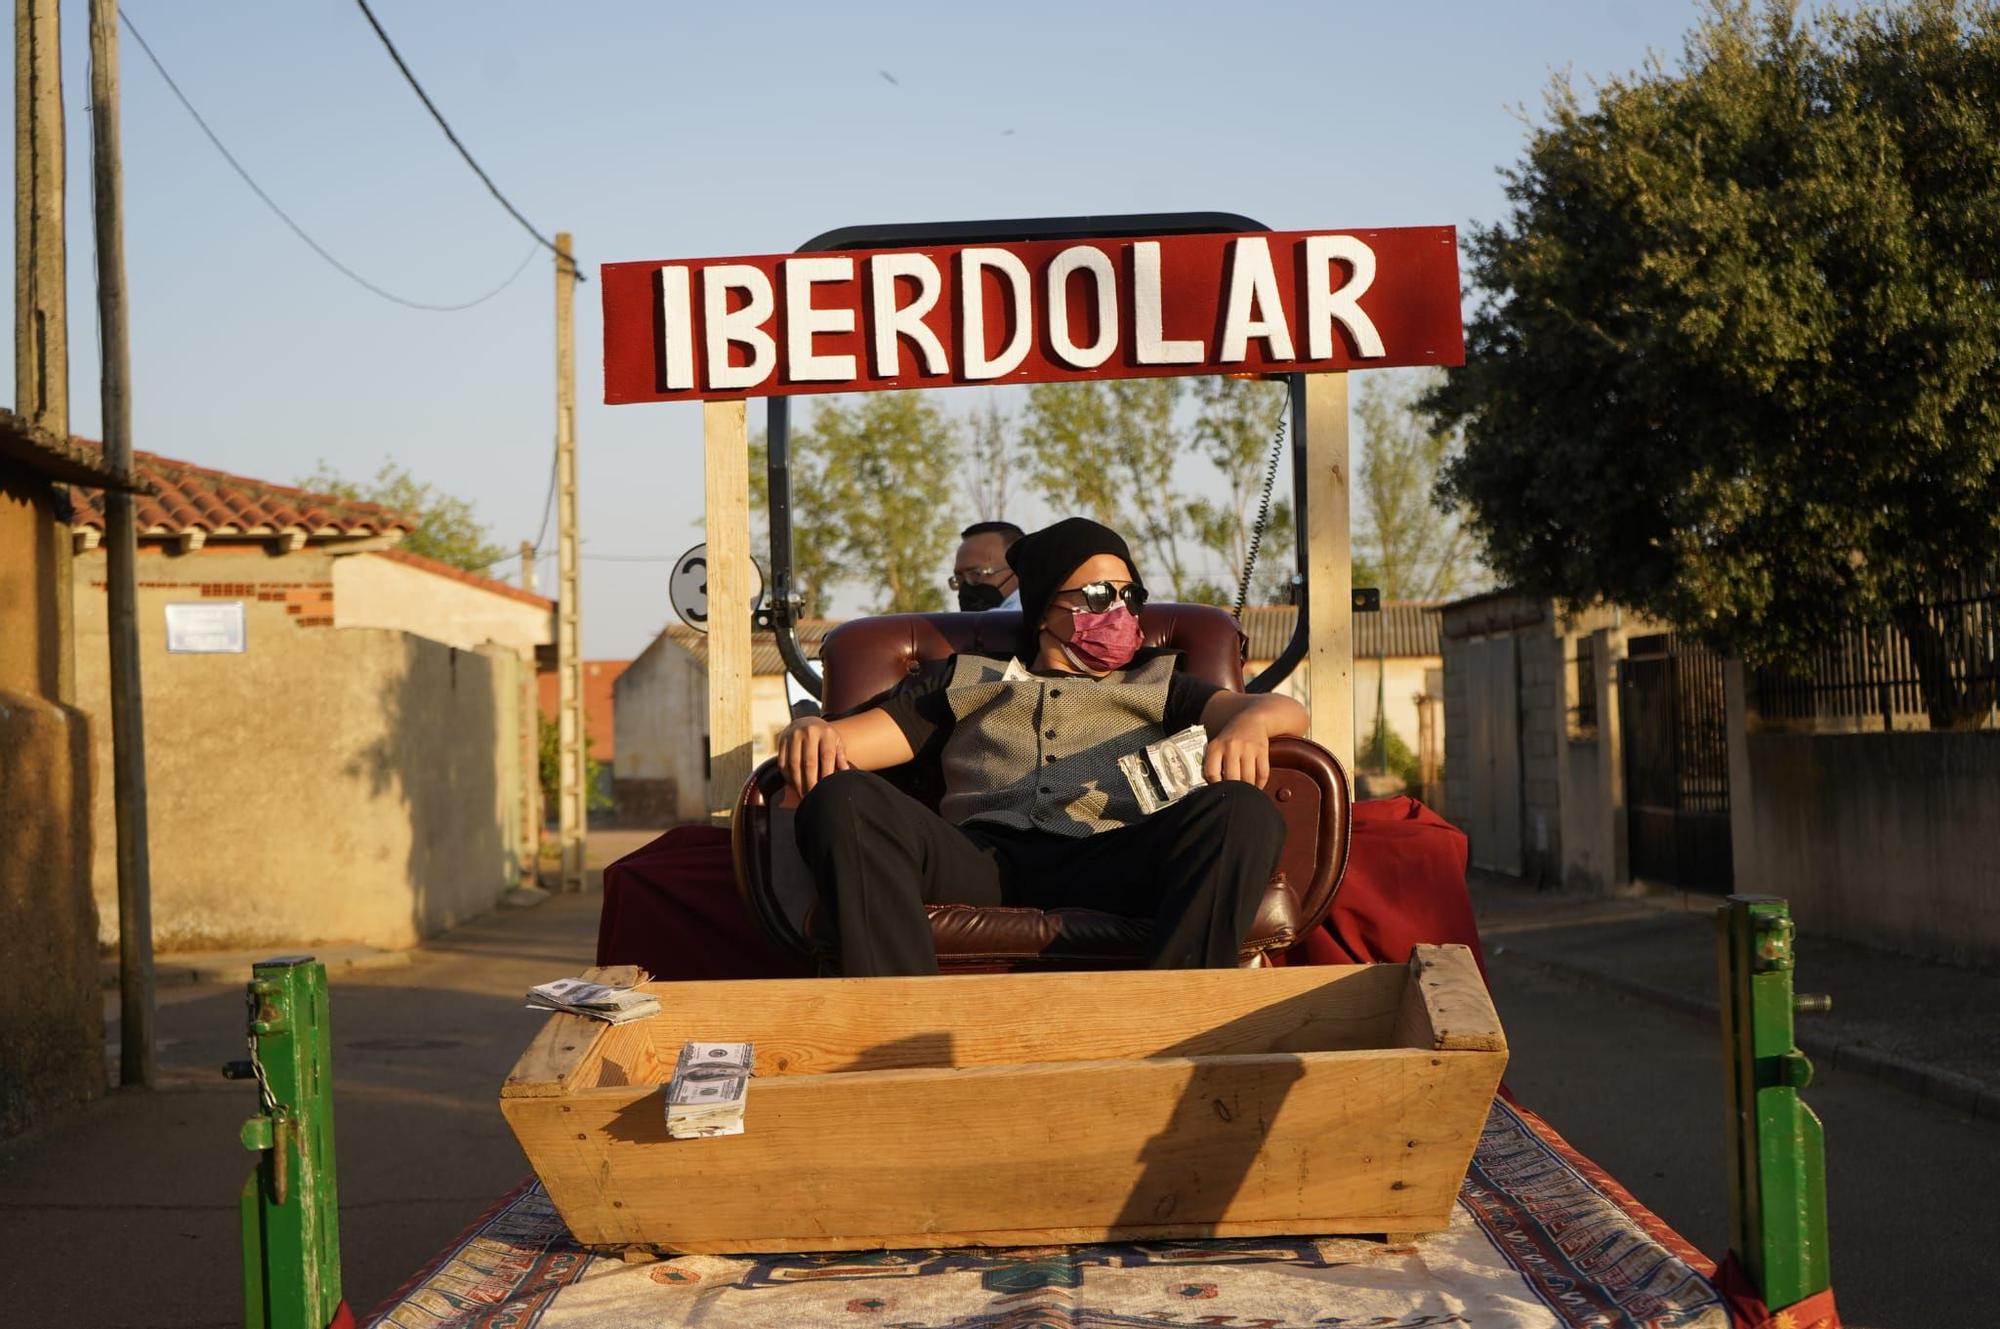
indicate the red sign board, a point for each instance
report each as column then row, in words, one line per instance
column 1030, row 312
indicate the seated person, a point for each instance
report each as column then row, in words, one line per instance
column 979, row 572
column 1036, row 810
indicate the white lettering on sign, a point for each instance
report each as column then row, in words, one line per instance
column 744, row 327
column 1324, row 305
column 1097, row 265
column 1149, row 341
column 1253, row 308
column 676, row 329
column 803, row 320
column 893, row 320
column 973, row 264
column 1037, row 313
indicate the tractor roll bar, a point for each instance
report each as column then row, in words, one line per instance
column 909, row 235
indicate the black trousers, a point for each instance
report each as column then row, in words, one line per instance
column 1198, row 869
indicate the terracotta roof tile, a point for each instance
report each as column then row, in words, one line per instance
column 484, row 583
column 1403, row 628
column 764, row 657
column 62, row 460
column 188, row 497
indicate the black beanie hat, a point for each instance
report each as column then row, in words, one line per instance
column 1043, row 560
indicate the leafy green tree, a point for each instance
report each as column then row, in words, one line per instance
column 1107, row 451
column 867, row 484
column 548, row 754
column 1407, row 545
column 1737, row 360
column 1234, row 425
column 992, row 465
column 816, row 530
column 448, row 529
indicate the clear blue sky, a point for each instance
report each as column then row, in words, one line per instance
column 664, row 131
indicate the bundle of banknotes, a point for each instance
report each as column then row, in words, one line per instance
column 577, row 996
column 711, row 1082
column 1164, row 772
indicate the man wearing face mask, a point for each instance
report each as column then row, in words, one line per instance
column 1036, row 811
column 979, row 572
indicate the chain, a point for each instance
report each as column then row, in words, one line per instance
column 1263, row 508
column 256, row 1062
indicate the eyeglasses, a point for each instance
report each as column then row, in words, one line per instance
column 978, row 577
column 1098, row 595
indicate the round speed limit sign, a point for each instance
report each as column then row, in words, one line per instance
column 687, row 588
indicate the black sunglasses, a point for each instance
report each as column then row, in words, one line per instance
column 1098, row 595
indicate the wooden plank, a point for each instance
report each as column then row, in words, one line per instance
column 814, row 1026
column 565, row 1044
column 1359, row 1141
column 1446, row 1006
column 726, row 454
column 1329, row 566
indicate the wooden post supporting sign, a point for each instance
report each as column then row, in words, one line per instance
column 726, row 465
column 1330, row 578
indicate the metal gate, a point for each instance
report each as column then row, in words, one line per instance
column 1676, row 735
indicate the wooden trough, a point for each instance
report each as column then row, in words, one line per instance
column 1026, row 1109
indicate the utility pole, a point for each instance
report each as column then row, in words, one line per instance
column 569, row 664
column 128, row 725
column 531, row 748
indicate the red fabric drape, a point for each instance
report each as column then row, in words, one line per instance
column 1405, row 884
column 672, row 906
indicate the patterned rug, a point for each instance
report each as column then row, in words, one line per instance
column 1540, row 1237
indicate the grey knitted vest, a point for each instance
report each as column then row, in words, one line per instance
column 1042, row 753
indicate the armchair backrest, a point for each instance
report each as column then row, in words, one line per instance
column 867, row 657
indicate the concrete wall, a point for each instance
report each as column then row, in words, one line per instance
column 326, row 785
column 51, row 1013
column 1886, row 839
column 660, row 709
column 1564, row 782
column 376, row 590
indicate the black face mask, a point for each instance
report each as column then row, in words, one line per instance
column 978, row 597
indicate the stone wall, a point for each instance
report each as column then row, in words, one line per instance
column 325, row 785
column 1886, row 839
column 51, row 1009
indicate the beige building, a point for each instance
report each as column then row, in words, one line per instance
column 1398, row 675
column 660, row 705
column 339, row 734
column 51, row 1009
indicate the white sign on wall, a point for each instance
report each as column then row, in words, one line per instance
column 206, row 627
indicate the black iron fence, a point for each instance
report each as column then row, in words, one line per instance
column 1935, row 666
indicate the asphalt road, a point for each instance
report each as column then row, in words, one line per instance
column 1912, row 1187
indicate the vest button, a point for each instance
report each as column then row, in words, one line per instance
column 1050, row 757
column 1055, row 692
column 1048, row 733
column 1047, row 790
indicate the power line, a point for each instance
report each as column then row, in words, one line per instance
column 286, row 218
column 548, row 502
column 633, row 558
column 445, row 125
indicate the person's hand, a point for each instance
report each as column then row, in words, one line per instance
column 1241, row 750
column 809, row 750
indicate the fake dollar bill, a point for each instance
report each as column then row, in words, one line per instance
column 577, row 996
column 710, row 1085
column 1163, row 773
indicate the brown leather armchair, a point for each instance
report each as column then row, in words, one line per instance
column 865, row 659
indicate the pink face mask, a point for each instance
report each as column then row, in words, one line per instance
column 1106, row 641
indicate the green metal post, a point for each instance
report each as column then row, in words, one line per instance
column 290, row 1213
column 1777, row 1150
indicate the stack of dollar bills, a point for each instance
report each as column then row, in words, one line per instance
column 1165, row 772
column 711, row 1082
column 576, row 996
